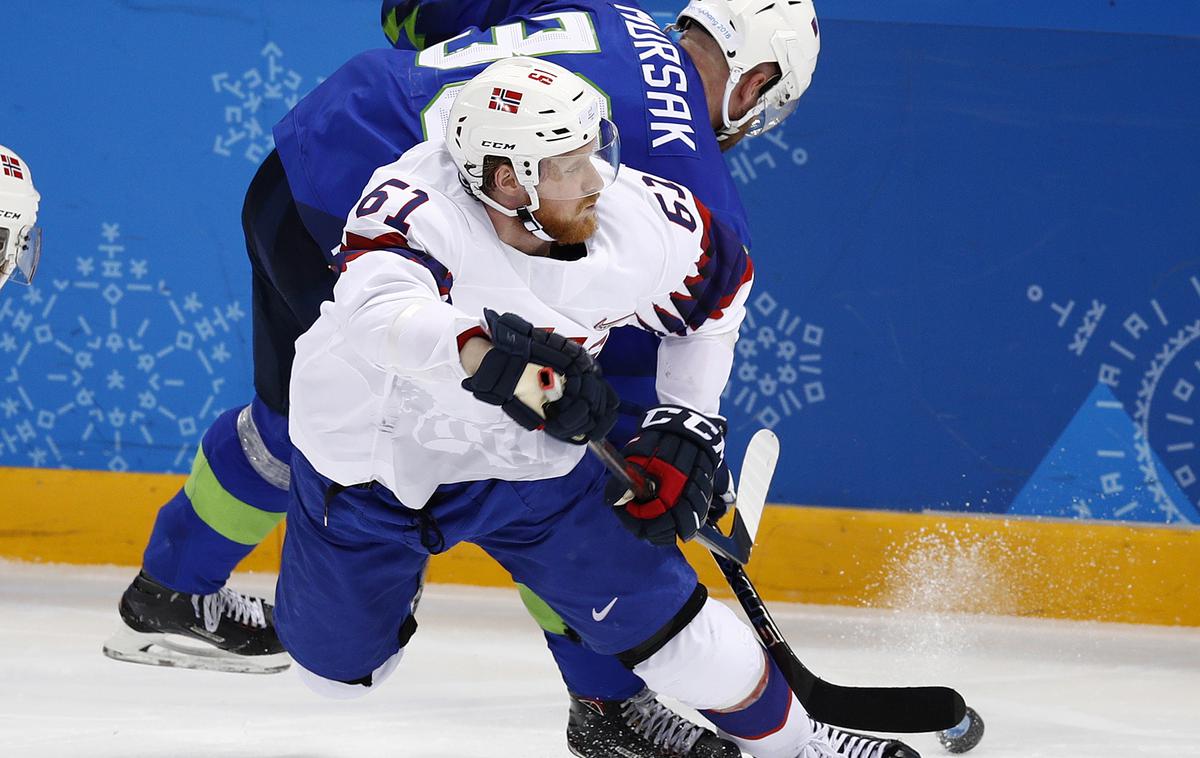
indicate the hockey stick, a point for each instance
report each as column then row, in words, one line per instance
column 876, row 709
column 734, row 546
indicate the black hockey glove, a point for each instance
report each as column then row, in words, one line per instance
column 587, row 409
column 682, row 451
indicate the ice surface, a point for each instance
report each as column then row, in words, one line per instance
column 477, row 681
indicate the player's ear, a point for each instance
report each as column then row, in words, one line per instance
column 506, row 189
column 751, row 87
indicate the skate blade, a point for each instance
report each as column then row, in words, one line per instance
column 154, row 649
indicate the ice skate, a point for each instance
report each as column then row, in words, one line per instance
column 640, row 727
column 831, row 742
column 223, row 631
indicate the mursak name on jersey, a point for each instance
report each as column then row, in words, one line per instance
column 666, row 85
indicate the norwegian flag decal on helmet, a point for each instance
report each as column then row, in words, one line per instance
column 12, row 166
column 505, row 100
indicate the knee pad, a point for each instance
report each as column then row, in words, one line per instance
column 263, row 436
column 337, row 690
column 714, row 662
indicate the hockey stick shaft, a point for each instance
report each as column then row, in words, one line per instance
column 881, row 709
column 626, row 474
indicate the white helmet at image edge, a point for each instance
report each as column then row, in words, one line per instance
column 20, row 236
column 751, row 32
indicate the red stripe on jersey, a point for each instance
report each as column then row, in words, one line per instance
column 701, row 271
column 475, row 331
column 352, row 256
column 706, row 221
column 359, row 242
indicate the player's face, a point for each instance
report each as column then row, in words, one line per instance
column 20, row 250
column 569, row 186
column 584, row 171
column 571, row 175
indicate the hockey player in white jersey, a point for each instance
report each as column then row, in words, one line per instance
column 328, row 147
column 20, row 236
column 474, row 270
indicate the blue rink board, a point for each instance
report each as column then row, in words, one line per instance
column 981, row 220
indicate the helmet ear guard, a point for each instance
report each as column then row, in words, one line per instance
column 21, row 255
column 20, row 237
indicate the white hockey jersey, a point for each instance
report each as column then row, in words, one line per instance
column 375, row 389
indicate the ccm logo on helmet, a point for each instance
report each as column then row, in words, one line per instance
column 9, row 214
column 498, row 145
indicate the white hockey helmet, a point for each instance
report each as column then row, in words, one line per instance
column 751, row 32
column 20, row 236
column 549, row 123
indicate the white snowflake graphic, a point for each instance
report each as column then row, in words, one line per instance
column 777, row 371
column 110, row 370
column 263, row 95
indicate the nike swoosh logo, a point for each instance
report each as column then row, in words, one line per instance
column 604, row 323
column 601, row 615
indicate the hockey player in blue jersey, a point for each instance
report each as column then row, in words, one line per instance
column 672, row 100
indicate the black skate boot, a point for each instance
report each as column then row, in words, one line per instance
column 224, row 631
column 831, row 742
column 640, row 727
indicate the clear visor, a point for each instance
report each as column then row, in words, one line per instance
column 770, row 115
column 20, row 259
column 584, row 171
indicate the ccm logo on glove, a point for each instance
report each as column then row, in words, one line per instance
column 697, row 423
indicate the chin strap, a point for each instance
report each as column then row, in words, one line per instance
column 532, row 225
column 731, row 127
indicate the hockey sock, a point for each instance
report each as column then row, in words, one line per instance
column 235, row 495
column 773, row 725
column 592, row 675
column 716, row 665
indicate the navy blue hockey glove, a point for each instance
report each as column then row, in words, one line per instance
column 587, row 409
column 682, row 451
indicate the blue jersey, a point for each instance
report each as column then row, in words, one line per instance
column 382, row 102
